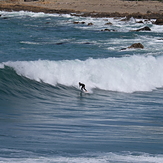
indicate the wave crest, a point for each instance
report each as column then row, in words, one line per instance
column 127, row 74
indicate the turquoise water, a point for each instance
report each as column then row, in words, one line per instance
column 44, row 117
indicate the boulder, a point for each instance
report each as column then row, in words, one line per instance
column 146, row 28
column 89, row 24
column 75, row 22
column 159, row 22
column 140, row 21
column 106, row 30
column 109, row 23
column 136, row 45
column 78, row 22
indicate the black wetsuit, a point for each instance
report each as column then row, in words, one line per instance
column 82, row 86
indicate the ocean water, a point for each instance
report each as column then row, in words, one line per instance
column 45, row 118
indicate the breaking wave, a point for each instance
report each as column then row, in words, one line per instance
column 126, row 74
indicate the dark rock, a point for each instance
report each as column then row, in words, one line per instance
column 123, row 48
column 87, row 43
column 4, row 18
column 146, row 28
column 159, row 21
column 140, row 21
column 109, row 23
column 136, row 45
column 160, row 39
column 149, row 12
column 78, row 22
column 75, row 22
column 89, row 24
column 109, row 30
column 106, row 30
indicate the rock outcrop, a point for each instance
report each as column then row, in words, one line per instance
column 159, row 22
column 146, row 28
column 136, row 45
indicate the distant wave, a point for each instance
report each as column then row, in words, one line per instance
column 127, row 74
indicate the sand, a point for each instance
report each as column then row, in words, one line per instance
column 104, row 7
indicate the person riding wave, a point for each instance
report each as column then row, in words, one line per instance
column 82, row 86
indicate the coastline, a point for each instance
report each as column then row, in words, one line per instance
column 111, row 8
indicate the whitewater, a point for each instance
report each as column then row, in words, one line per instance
column 44, row 116
column 127, row 74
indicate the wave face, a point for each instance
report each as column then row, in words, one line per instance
column 126, row 74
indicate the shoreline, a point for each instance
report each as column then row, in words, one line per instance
column 63, row 9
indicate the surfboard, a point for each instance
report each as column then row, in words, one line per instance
column 83, row 91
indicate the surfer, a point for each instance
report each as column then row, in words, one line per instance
column 82, row 86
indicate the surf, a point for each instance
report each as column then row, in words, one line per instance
column 126, row 74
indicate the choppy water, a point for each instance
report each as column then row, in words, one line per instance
column 43, row 115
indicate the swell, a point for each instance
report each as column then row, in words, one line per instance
column 17, row 86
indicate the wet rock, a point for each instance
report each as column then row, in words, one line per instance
column 87, row 43
column 123, row 48
column 78, row 22
column 146, row 28
column 109, row 23
column 136, row 45
column 160, row 39
column 75, row 22
column 159, row 21
column 140, row 21
column 89, row 24
column 4, row 18
column 106, row 30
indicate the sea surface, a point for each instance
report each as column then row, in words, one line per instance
column 45, row 118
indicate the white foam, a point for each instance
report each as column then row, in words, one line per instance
column 29, row 42
column 26, row 13
column 1, row 66
column 127, row 74
column 99, row 23
column 125, row 157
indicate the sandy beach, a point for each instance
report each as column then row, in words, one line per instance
column 145, row 9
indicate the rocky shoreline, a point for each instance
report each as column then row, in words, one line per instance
column 33, row 8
